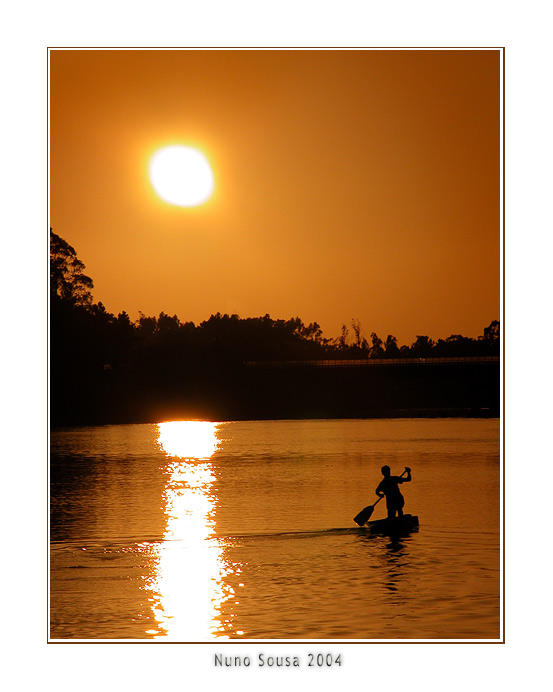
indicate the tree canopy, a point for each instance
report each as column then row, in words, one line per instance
column 68, row 282
column 93, row 352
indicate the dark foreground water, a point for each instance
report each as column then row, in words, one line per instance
column 193, row 531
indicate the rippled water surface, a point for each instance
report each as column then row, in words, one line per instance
column 192, row 531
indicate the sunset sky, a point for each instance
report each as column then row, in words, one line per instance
column 348, row 184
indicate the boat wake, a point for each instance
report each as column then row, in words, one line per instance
column 287, row 535
column 132, row 542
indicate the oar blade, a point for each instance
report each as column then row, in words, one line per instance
column 364, row 515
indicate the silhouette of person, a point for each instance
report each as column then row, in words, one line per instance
column 389, row 487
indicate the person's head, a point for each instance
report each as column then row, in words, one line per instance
column 385, row 471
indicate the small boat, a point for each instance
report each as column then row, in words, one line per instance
column 395, row 526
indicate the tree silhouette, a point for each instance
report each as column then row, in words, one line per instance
column 105, row 368
column 391, row 347
column 422, row 347
column 68, row 282
column 377, row 350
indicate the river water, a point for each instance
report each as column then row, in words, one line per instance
column 197, row 531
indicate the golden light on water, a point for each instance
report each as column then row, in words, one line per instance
column 189, row 583
column 188, row 439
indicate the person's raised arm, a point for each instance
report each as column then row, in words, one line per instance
column 408, row 476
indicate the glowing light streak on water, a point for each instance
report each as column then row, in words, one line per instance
column 189, row 583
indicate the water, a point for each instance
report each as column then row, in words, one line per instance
column 190, row 531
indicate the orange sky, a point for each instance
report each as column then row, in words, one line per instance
column 349, row 184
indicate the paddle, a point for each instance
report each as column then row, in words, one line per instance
column 365, row 514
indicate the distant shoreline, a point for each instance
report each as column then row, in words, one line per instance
column 414, row 415
column 468, row 390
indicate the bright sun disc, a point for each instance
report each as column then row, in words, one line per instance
column 181, row 175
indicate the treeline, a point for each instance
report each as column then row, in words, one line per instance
column 97, row 359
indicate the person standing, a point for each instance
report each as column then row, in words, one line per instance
column 389, row 488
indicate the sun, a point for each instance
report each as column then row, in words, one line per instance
column 181, row 175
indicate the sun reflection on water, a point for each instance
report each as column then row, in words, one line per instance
column 189, row 583
column 189, row 439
